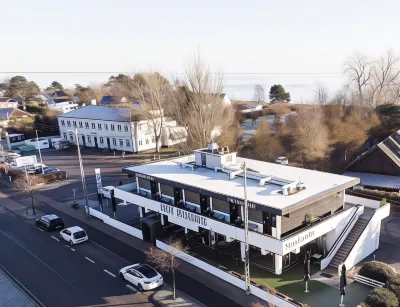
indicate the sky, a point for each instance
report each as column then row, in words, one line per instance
column 85, row 41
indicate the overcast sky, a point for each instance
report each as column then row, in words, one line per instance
column 235, row 36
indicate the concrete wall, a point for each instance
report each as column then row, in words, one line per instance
column 277, row 301
column 368, row 242
column 374, row 204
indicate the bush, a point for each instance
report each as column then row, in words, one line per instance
column 393, row 284
column 378, row 271
column 381, row 297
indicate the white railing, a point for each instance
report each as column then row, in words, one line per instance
column 368, row 281
column 240, row 283
column 352, row 218
column 370, row 203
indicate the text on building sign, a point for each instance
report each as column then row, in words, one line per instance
column 299, row 239
column 241, row 202
column 147, row 177
column 183, row 214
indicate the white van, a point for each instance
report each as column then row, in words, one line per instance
column 54, row 141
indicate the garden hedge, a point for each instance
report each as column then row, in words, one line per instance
column 381, row 297
column 393, row 284
column 378, row 271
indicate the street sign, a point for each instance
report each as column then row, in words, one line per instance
column 98, row 180
column 25, row 161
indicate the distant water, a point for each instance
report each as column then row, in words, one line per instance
column 300, row 86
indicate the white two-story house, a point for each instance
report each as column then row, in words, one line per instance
column 112, row 128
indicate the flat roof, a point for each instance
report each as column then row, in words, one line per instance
column 100, row 113
column 317, row 184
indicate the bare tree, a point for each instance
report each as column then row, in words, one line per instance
column 198, row 106
column 267, row 146
column 321, row 93
column 259, row 94
column 358, row 70
column 166, row 261
column 28, row 184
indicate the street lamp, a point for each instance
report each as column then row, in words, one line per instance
column 246, row 234
column 82, row 173
column 40, row 154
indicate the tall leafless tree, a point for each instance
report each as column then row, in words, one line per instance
column 28, row 184
column 321, row 93
column 259, row 94
column 166, row 261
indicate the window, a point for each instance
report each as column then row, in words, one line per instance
column 87, row 125
column 89, row 139
column 121, row 143
column 63, row 123
column 99, row 126
column 101, row 140
column 112, row 127
column 68, row 123
column 64, row 135
column 71, row 137
column 140, row 142
column 106, row 126
column 114, row 142
column 93, row 126
column 74, row 123
column 128, row 143
column 119, row 128
column 80, row 125
column 126, row 128
column 147, row 141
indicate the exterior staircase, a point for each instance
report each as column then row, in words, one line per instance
column 347, row 245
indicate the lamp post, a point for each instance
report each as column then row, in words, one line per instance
column 246, row 234
column 82, row 173
column 40, row 154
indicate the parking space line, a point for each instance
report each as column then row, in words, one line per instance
column 55, row 238
column 89, row 260
column 109, row 273
column 132, row 288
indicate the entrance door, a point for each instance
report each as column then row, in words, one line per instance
column 108, row 143
column 267, row 223
column 203, row 160
column 95, row 142
column 83, row 141
column 153, row 186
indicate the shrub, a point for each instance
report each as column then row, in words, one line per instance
column 378, row 271
column 381, row 297
column 393, row 284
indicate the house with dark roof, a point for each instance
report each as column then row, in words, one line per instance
column 7, row 114
column 109, row 100
column 7, row 102
column 379, row 167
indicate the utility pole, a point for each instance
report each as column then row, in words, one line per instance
column 40, row 154
column 82, row 173
column 246, row 234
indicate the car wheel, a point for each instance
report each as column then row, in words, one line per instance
column 122, row 276
column 140, row 287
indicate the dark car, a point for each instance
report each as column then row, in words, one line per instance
column 50, row 222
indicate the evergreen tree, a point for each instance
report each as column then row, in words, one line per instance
column 278, row 94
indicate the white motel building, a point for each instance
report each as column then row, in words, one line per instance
column 113, row 128
column 290, row 209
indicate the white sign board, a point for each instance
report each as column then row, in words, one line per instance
column 98, row 180
column 25, row 161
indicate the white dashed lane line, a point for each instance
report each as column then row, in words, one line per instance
column 72, row 249
column 132, row 288
column 109, row 273
column 55, row 238
column 89, row 260
column 40, row 229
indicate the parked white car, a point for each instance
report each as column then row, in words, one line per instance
column 106, row 191
column 74, row 235
column 282, row 160
column 142, row 275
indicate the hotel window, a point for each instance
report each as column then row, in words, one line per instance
column 93, row 126
column 74, row 123
column 106, row 126
column 126, row 128
column 220, row 205
column 89, row 140
column 144, row 184
column 87, row 125
column 192, row 197
column 119, row 127
column 80, row 125
column 64, row 135
column 255, row 215
column 63, row 123
column 147, row 141
column 121, row 143
column 167, row 190
column 101, row 140
column 71, row 137
column 128, row 143
column 140, row 142
column 68, row 123
column 99, row 126
column 114, row 142
column 112, row 127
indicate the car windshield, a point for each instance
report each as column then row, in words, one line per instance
column 79, row 234
column 56, row 221
column 147, row 271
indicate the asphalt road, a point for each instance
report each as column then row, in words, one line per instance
column 59, row 276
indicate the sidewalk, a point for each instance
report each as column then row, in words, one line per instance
column 215, row 283
column 164, row 297
column 11, row 295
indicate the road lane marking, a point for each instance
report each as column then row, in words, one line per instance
column 40, row 229
column 110, row 252
column 109, row 273
column 40, row 260
column 67, row 245
column 132, row 288
column 89, row 260
column 55, row 238
column 72, row 249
